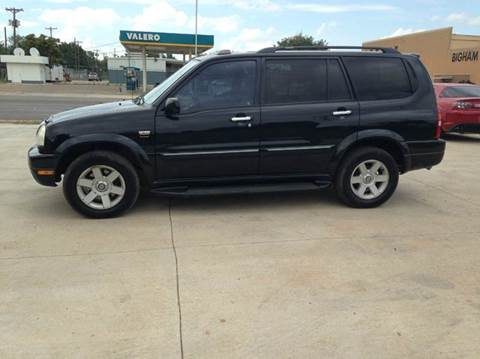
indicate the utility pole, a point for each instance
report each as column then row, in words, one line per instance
column 196, row 28
column 14, row 23
column 51, row 29
column 77, row 55
column 5, row 34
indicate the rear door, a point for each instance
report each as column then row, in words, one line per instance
column 307, row 110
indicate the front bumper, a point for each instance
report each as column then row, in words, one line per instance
column 42, row 166
column 424, row 154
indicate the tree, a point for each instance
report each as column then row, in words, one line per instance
column 300, row 40
column 47, row 46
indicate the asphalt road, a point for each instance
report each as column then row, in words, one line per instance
column 35, row 108
column 255, row 276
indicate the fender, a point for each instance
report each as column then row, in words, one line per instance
column 366, row 137
column 136, row 153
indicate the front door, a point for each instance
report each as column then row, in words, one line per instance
column 307, row 110
column 216, row 133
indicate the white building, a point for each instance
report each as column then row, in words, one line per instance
column 25, row 69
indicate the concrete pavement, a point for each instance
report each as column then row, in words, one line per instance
column 260, row 276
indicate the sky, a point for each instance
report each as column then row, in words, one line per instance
column 240, row 25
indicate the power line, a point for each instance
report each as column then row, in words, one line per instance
column 14, row 23
column 51, row 29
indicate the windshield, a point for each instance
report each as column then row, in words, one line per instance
column 461, row 91
column 151, row 96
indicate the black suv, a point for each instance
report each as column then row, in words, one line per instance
column 273, row 120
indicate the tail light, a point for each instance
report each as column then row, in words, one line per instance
column 463, row 105
column 438, row 129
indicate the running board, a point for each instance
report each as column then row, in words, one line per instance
column 239, row 189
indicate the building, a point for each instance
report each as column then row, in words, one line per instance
column 25, row 69
column 449, row 57
column 151, row 44
column 158, row 69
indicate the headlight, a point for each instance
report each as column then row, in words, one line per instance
column 40, row 135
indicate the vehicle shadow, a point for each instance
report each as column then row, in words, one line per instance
column 458, row 137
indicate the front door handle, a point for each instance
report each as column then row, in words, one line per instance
column 241, row 118
column 342, row 113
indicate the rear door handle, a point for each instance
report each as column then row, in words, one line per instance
column 342, row 113
column 241, row 118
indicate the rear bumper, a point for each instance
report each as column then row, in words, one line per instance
column 41, row 163
column 462, row 121
column 424, row 154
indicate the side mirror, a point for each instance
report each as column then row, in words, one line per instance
column 172, row 107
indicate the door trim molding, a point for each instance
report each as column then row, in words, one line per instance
column 203, row 153
column 298, row 148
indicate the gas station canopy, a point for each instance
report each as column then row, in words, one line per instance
column 162, row 42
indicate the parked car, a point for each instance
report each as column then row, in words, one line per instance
column 281, row 119
column 458, row 107
column 93, row 76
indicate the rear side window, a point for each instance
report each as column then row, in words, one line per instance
column 337, row 84
column 295, row 81
column 378, row 78
column 461, row 91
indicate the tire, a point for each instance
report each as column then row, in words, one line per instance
column 101, row 184
column 367, row 177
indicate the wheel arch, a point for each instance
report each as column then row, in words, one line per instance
column 388, row 141
column 121, row 145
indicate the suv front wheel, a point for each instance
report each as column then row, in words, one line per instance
column 101, row 184
column 367, row 178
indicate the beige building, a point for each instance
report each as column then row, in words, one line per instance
column 448, row 57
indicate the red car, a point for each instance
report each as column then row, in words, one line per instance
column 458, row 107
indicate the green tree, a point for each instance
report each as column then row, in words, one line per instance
column 47, row 46
column 300, row 40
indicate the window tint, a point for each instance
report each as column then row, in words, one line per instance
column 220, row 85
column 461, row 91
column 337, row 85
column 295, row 81
column 376, row 78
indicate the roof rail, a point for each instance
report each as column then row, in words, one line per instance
column 385, row 50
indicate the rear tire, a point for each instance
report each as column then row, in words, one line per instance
column 101, row 184
column 367, row 177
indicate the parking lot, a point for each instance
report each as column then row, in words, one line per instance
column 267, row 276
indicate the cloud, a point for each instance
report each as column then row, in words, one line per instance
column 464, row 18
column 332, row 9
column 222, row 24
column 266, row 5
column 159, row 15
column 403, row 31
column 76, row 22
column 325, row 27
column 250, row 39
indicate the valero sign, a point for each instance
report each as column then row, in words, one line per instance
column 164, row 39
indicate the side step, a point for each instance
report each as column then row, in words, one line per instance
column 239, row 189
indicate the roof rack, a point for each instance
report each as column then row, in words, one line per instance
column 385, row 50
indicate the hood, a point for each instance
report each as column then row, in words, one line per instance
column 110, row 108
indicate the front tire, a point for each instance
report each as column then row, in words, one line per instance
column 367, row 178
column 101, row 184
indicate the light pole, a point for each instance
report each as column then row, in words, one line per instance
column 196, row 28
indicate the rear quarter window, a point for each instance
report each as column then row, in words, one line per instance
column 378, row 78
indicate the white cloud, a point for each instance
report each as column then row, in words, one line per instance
column 250, row 39
column 403, row 31
column 79, row 21
column 331, row 9
column 159, row 15
column 325, row 27
column 266, row 5
column 222, row 24
column 464, row 18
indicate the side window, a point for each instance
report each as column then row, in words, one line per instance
column 221, row 85
column 378, row 78
column 337, row 84
column 295, row 81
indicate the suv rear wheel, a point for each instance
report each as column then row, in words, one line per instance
column 101, row 184
column 367, row 178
